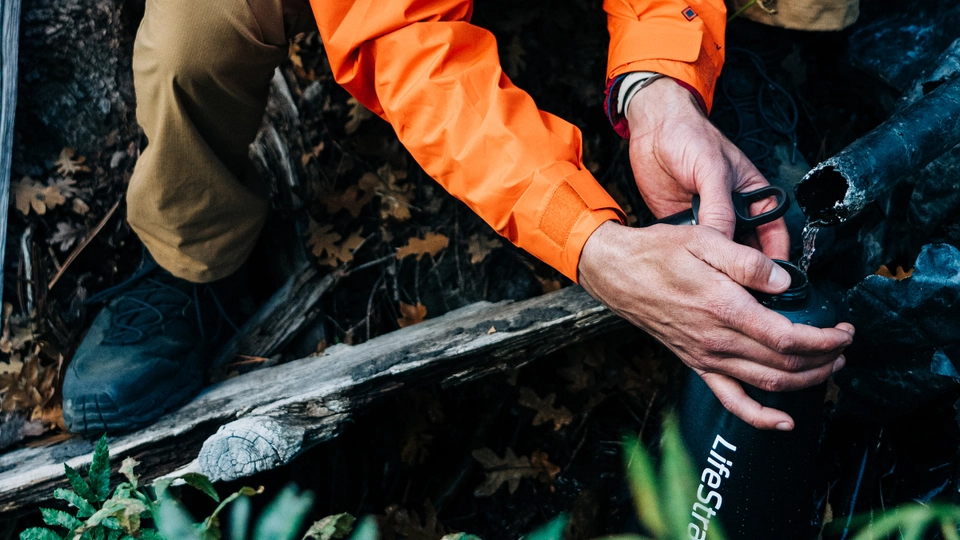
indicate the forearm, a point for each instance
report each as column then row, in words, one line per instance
column 437, row 79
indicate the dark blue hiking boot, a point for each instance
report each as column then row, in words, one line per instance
column 147, row 352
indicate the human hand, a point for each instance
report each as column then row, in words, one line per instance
column 675, row 153
column 685, row 286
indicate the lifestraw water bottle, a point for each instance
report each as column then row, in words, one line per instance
column 756, row 483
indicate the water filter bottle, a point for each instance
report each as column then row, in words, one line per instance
column 757, row 483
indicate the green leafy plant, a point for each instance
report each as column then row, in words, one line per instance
column 908, row 522
column 663, row 501
column 127, row 513
column 98, row 515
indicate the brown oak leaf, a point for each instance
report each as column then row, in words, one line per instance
column 394, row 198
column 547, row 472
column 546, row 412
column 411, row 315
column 356, row 116
column 508, row 470
column 67, row 166
column 431, row 244
column 325, row 244
column 480, row 246
column 28, row 193
column 353, row 198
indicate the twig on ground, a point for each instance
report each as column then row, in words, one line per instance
column 80, row 247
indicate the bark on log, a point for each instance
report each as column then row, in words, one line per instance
column 76, row 78
column 289, row 310
column 318, row 393
column 9, row 48
column 872, row 165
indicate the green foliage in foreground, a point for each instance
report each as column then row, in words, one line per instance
column 663, row 501
column 131, row 511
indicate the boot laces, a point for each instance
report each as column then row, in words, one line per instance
column 152, row 296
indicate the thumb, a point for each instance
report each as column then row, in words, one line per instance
column 745, row 265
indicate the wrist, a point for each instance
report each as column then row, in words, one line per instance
column 596, row 249
column 663, row 98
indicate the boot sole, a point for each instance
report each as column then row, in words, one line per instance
column 94, row 414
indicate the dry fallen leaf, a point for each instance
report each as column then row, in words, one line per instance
column 586, row 360
column 547, row 472
column 407, row 523
column 356, row 116
column 28, row 193
column 411, row 315
column 325, row 244
column 546, row 412
column 33, row 389
column 321, row 238
column 509, row 470
column 899, row 275
column 79, row 207
column 293, row 53
column 549, row 285
column 394, row 198
column 480, row 246
column 312, row 154
column 432, row 243
column 66, row 235
column 67, row 166
column 353, row 198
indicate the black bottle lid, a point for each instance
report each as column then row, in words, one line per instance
column 801, row 303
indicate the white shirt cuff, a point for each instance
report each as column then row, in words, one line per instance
column 631, row 84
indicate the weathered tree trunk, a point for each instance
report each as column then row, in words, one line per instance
column 76, row 79
column 9, row 52
column 301, row 403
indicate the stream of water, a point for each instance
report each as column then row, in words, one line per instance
column 809, row 238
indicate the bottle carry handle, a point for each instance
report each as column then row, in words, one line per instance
column 741, row 207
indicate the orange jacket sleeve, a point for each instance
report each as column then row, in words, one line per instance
column 437, row 80
column 683, row 39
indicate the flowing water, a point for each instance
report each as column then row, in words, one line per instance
column 809, row 238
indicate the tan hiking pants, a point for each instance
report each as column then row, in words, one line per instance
column 800, row 14
column 202, row 71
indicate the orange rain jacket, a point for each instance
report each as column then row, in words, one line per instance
column 421, row 66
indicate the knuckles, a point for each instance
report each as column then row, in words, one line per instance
column 773, row 382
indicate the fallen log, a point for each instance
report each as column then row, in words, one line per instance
column 871, row 166
column 288, row 311
column 306, row 401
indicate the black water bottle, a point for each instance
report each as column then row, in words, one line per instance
column 757, row 483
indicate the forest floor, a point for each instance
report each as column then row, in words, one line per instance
column 494, row 457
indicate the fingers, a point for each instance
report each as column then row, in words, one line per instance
column 732, row 396
column 743, row 264
column 776, row 380
column 716, row 203
column 737, row 345
column 788, row 338
column 775, row 239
